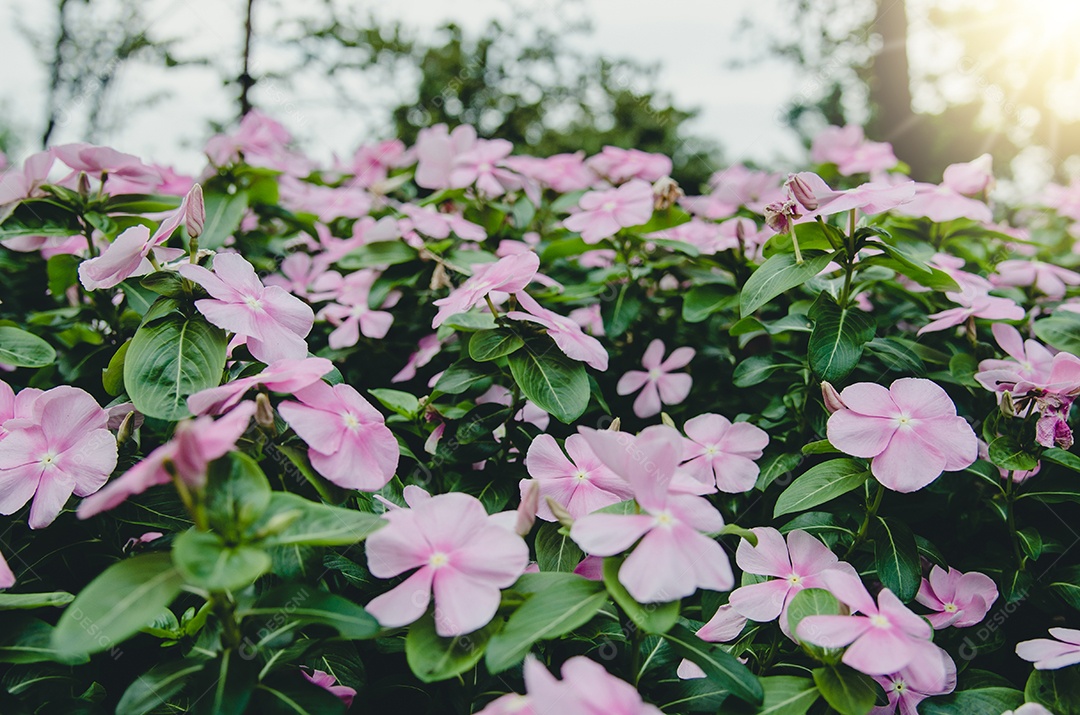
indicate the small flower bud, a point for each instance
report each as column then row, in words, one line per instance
column 195, row 217
column 833, row 402
column 124, row 432
column 84, row 185
column 666, row 419
column 802, row 192
column 560, row 513
column 666, row 192
column 264, row 411
column 526, row 511
column 1007, row 406
column 615, row 425
column 439, row 278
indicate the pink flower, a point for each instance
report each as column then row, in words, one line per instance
column 349, row 442
column 63, row 447
column 7, row 577
column 739, row 186
column 942, row 203
column 581, row 484
column 274, row 322
column 325, row 202
column 886, row 638
column 960, row 599
column 567, row 334
column 329, row 683
column 602, row 213
column 975, row 303
column 371, row 163
column 282, row 376
column 725, row 626
column 586, row 689
column 351, row 313
column 437, row 224
column 530, row 413
column 98, row 160
column 427, row 348
column 194, row 445
column 621, row 165
column 17, row 185
column 1049, row 654
column 674, row 557
column 721, row 453
column 659, row 385
column 911, row 432
column 848, row 148
column 436, row 148
column 561, row 172
column 912, row 685
column 484, row 167
column 1030, row 361
column 794, row 566
column 306, row 277
column 1052, row 281
column 972, row 178
column 507, row 275
column 127, row 255
column 870, row 198
column 459, row 554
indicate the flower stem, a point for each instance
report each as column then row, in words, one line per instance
column 1010, row 520
column 871, row 512
column 795, row 243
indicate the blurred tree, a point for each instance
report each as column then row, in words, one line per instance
column 943, row 82
column 524, row 82
column 92, row 41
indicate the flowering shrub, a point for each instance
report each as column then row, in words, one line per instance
column 452, row 429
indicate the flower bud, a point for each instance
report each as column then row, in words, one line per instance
column 124, row 432
column 666, row 192
column 615, row 425
column 195, row 217
column 1007, row 406
column 560, row 513
column 781, row 215
column 802, row 192
column 526, row 511
column 84, row 185
column 264, row 411
column 665, row 418
column 833, row 402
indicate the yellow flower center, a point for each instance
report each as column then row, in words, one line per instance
column 438, row 559
column 880, row 621
column 350, row 421
column 580, row 475
column 951, row 608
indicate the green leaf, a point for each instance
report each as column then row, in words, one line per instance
column 757, row 369
column 848, row 691
column 653, row 617
column 813, row 602
column 400, row 402
column 224, row 212
column 1031, row 542
column 1063, row 458
column 23, row 601
column 1007, row 453
column 25, row 639
column 123, row 599
column 378, row 253
column 973, row 702
column 170, row 359
column 306, row 604
column 486, row 345
column 548, row 614
column 470, row 322
column 556, row 551
column 226, row 684
column 19, row 348
column 152, row 689
column 557, row 384
column 784, row 695
column 113, row 377
column 836, row 342
column 896, row 558
column 776, row 275
column 63, row 272
column 459, row 377
column 209, row 563
column 720, row 667
column 432, row 657
column 43, row 217
column 897, row 356
column 317, row 524
column 1066, row 584
column 237, row 493
column 1061, row 330
column 295, row 696
column 702, row 301
column 820, row 484
column 1058, row 690
column 620, row 313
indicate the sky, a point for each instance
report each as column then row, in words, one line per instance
column 693, row 40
